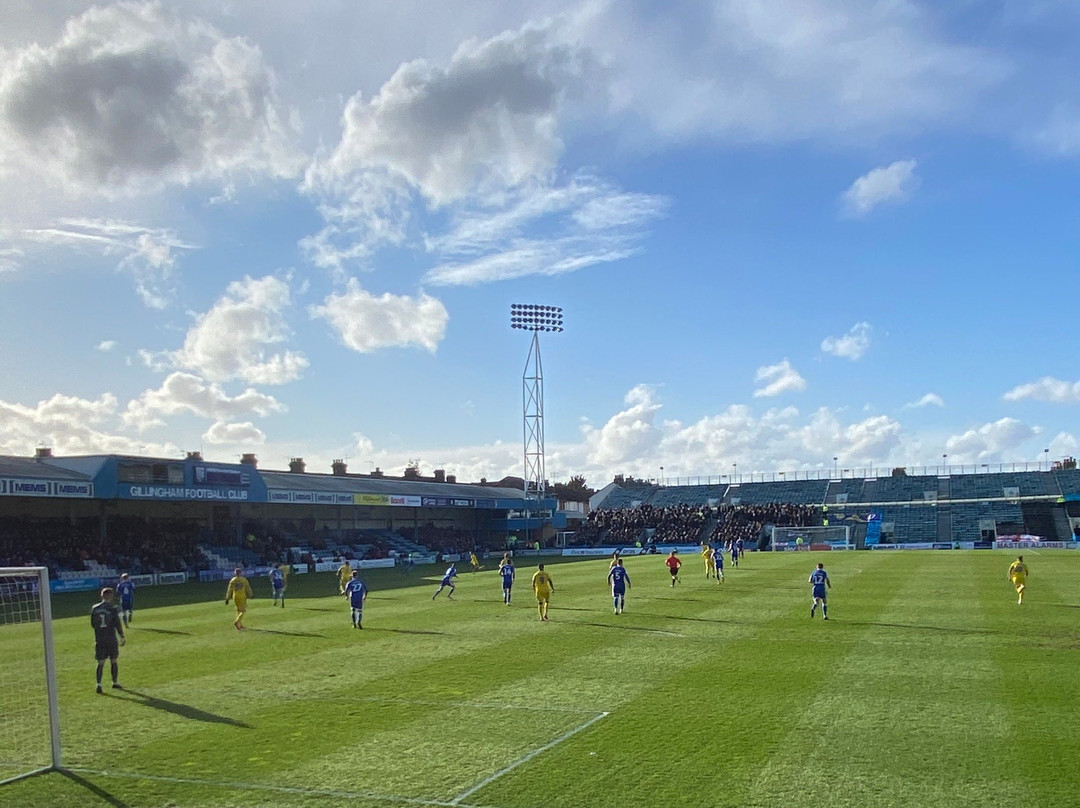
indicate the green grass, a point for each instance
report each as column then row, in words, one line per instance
column 928, row 686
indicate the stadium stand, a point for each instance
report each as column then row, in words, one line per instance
column 795, row 492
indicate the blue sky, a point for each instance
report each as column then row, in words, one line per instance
column 781, row 232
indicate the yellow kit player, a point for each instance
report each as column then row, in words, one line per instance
column 238, row 591
column 474, row 562
column 344, row 575
column 709, row 557
column 615, row 558
column 543, row 586
column 1018, row 572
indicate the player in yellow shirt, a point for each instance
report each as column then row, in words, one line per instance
column 474, row 562
column 1018, row 572
column 238, row 591
column 543, row 586
column 709, row 557
column 344, row 575
column 614, row 560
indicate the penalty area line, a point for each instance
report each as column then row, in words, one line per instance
column 464, row 795
column 300, row 790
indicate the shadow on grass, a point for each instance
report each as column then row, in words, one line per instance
column 317, row 609
column 182, row 710
column 408, row 631
column 623, row 627
column 918, row 627
column 285, row 633
column 96, row 790
column 166, row 631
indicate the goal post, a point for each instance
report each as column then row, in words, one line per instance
column 29, row 703
column 833, row 537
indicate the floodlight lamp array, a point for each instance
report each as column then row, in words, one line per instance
column 532, row 317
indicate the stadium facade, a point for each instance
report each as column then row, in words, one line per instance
column 222, row 497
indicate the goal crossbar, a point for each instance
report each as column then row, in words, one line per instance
column 24, row 599
column 803, row 538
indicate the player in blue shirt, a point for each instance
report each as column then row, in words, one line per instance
column 734, row 549
column 619, row 579
column 447, row 581
column 819, row 580
column 356, row 592
column 718, row 554
column 277, row 583
column 126, row 590
column 508, row 573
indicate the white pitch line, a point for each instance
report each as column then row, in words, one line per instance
column 312, row 792
column 460, row 798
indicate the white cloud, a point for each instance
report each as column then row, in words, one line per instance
column 245, row 433
column 1047, row 389
column 892, row 183
column 788, row 70
column 628, row 434
column 778, row 378
column 148, row 254
column 68, row 424
column 232, row 339
column 106, row 345
column 990, row 442
column 485, row 122
column 1060, row 135
column 853, row 345
column 928, row 400
column 185, row 393
column 131, row 96
column 637, row 440
column 365, row 322
column 585, row 222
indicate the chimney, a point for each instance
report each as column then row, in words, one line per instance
column 376, row 473
column 248, row 459
column 194, row 455
column 296, row 465
column 440, row 475
column 451, row 478
column 43, row 452
column 411, row 473
column 339, row 468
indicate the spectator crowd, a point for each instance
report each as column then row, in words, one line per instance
column 686, row 524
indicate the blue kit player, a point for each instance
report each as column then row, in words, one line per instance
column 734, row 549
column 356, row 592
column 447, row 581
column 508, row 573
column 718, row 552
column 277, row 584
column 126, row 590
column 819, row 580
column 620, row 580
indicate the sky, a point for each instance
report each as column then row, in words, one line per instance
column 781, row 233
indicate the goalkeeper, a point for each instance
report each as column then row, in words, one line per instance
column 108, row 636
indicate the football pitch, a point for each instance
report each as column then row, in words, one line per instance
column 928, row 686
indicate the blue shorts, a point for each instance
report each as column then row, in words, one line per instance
column 127, row 604
column 819, row 591
column 507, row 583
column 357, row 604
column 446, row 582
column 618, row 590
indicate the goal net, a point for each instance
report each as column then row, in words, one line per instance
column 29, row 718
column 806, row 538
